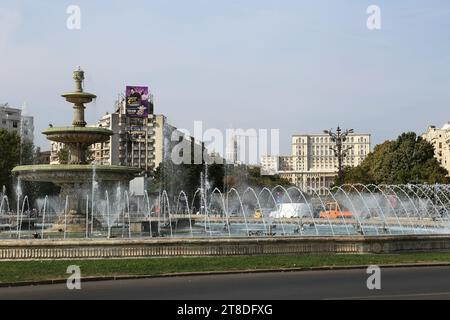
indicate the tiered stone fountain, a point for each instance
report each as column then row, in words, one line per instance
column 75, row 177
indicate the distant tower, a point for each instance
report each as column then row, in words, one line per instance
column 232, row 154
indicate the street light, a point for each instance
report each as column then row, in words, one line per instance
column 340, row 152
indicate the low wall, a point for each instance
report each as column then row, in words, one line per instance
column 140, row 248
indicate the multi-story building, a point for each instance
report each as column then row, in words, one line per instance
column 101, row 152
column 12, row 120
column 269, row 165
column 440, row 139
column 313, row 165
column 140, row 142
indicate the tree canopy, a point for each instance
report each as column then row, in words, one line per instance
column 14, row 152
column 9, row 155
column 409, row 159
column 257, row 180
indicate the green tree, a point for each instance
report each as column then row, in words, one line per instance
column 216, row 173
column 257, row 180
column 63, row 155
column 155, row 181
column 186, row 177
column 9, row 156
column 13, row 152
column 409, row 159
column 28, row 153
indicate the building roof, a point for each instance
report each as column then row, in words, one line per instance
column 324, row 134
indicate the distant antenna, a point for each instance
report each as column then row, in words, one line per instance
column 24, row 108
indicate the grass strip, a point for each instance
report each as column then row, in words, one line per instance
column 17, row 271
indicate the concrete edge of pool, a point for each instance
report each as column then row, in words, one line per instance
column 146, row 248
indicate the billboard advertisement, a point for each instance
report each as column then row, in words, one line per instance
column 137, row 101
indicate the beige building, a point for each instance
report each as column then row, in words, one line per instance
column 312, row 164
column 440, row 139
column 55, row 147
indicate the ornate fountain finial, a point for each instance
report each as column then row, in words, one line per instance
column 78, row 76
column 79, row 98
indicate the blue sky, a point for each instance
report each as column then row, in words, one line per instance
column 300, row 66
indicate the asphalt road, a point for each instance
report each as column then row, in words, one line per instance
column 398, row 283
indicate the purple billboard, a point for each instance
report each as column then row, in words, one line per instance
column 137, row 103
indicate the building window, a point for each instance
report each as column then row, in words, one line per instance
column 15, row 124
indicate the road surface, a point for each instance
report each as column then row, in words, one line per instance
column 398, row 283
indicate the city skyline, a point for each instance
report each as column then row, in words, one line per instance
column 256, row 150
column 301, row 67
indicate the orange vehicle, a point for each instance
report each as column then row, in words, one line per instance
column 333, row 211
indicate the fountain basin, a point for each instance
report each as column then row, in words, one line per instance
column 79, row 97
column 84, row 135
column 74, row 180
column 74, row 173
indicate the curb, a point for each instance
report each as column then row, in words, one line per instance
column 228, row 272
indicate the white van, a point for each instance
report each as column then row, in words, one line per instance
column 291, row 210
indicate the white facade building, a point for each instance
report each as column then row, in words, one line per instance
column 12, row 120
column 312, row 164
column 269, row 165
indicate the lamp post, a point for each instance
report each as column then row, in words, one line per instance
column 338, row 138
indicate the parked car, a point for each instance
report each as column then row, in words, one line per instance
column 334, row 211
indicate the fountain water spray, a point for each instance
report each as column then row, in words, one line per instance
column 77, row 176
column 66, row 208
column 44, row 211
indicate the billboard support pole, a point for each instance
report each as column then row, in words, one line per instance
column 146, row 144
